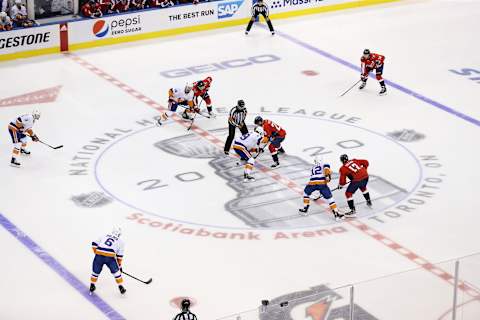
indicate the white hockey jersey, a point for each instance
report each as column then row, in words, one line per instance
column 23, row 123
column 5, row 22
column 16, row 10
column 109, row 246
column 179, row 95
column 319, row 173
column 250, row 140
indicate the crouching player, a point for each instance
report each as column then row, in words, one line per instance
column 356, row 171
column 180, row 97
column 372, row 61
column 275, row 135
column 200, row 89
column 108, row 251
column 19, row 130
column 319, row 179
column 243, row 146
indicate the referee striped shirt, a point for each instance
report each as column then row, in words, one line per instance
column 185, row 315
column 259, row 8
column 237, row 117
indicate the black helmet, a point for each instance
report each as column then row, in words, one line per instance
column 258, row 121
column 200, row 85
column 240, row 104
column 343, row 158
column 366, row 52
column 185, row 304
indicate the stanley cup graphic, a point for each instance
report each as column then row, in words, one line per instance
column 266, row 203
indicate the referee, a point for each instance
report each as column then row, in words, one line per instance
column 185, row 314
column 260, row 8
column 236, row 119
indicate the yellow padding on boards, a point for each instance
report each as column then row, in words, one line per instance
column 29, row 53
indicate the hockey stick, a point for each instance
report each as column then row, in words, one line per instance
column 337, row 188
column 191, row 124
column 350, row 88
column 261, row 151
column 146, row 282
column 57, row 147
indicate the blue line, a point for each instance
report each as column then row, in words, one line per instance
column 412, row 93
column 108, row 311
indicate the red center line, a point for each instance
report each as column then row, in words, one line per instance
column 364, row 228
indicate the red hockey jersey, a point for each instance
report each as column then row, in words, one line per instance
column 270, row 127
column 374, row 60
column 354, row 169
column 197, row 91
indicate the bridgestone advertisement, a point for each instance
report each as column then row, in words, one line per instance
column 29, row 39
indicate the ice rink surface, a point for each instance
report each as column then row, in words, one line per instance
column 189, row 221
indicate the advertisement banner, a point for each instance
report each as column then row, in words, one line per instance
column 29, row 39
column 137, row 23
column 278, row 6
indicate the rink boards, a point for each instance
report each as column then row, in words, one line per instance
column 140, row 25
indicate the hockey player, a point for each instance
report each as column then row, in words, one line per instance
column 19, row 129
column 247, row 143
column 121, row 6
column 372, row 61
column 260, row 8
column 180, row 97
column 356, row 171
column 108, row 251
column 106, row 6
column 18, row 12
column 319, row 179
column 200, row 89
column 5, row 22
column 91, row 9
column 275, row 134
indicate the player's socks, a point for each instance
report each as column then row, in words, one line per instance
column 276, row 163
column 366, row 195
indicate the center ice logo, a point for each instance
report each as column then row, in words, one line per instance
column 228, row 9
column 100, row 28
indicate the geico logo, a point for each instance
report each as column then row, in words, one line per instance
column 223, row 65
column 125, row 22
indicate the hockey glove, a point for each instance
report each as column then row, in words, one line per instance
column 339, row 187
column 35, row 138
